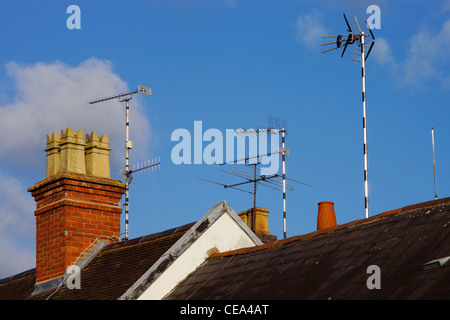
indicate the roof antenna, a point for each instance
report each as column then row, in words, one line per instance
column 127, row 174
column 432, row 141
column 358, row 32
column 269, row 179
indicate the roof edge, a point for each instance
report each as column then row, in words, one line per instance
column 18, row 276
column 383, row 215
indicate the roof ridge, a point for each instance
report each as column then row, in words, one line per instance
column 18, row 275
column 149, row 237
column 383, row 215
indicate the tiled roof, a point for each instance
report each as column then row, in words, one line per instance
column 108, row 275
column 19, row 286
column 326, row 264
column 332, row 263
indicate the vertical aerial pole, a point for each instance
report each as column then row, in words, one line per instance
column 366, row 182
column 432, row 142
column 283, row 158
column 434, row 164
column 127, row 161
column 254, row 198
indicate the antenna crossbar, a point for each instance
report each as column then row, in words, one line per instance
column 113, row 97
column 141, row 89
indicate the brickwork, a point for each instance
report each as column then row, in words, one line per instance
column 72, row 211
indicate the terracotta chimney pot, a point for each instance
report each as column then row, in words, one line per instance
column 326, row 218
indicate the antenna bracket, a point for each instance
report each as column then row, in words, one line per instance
column 284, row 151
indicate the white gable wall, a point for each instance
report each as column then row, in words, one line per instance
column 224, row 235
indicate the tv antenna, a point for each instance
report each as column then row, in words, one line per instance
column 142, row 167
column 126, row 97
column 359, row 38
column 265, row 178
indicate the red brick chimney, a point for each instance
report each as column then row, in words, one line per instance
column 74, row 207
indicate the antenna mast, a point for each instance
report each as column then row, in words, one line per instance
column 276, row 126
column 357, row 35
column 432, row 141
column 128, row 144
column 275, row 122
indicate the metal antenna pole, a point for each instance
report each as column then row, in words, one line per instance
column 128, row 146
column 284, row 181
column 434, row 164
column 254, row 198
column 366, row 182
column 432, row 141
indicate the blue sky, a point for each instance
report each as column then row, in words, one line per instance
column 229, row 64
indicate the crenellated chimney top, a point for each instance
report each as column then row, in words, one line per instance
column 70, row 152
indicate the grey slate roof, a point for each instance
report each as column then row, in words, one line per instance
column 332, row 263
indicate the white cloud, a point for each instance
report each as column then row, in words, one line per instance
column 446, row 6
column 50, row 97
column 426, row 57
column 381, row 52
column 423, row 61
column 310, row 29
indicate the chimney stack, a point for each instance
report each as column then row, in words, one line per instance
column 258, row 223
column 326, row 218
column 76, row 204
